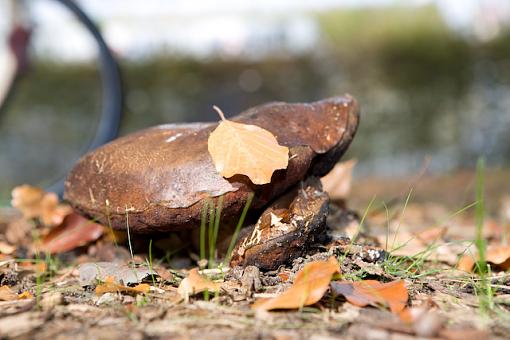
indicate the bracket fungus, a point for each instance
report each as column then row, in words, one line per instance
column 159, row 178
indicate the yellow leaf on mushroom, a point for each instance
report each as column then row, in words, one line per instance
column 242, row 149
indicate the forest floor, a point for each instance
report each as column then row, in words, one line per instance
column 420, row 231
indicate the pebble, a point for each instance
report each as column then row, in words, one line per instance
column 49, row 301
column 106, row 299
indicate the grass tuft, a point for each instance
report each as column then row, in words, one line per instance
column 239, row 225
column 203, row 220
column 129, row 236
column 214, row 234
column 483, row 288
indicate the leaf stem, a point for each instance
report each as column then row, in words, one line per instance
column 220, row 113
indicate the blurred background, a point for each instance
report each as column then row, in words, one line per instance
column 432, row 77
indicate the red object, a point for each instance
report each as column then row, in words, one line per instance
column 74, row 232
column 18, row 42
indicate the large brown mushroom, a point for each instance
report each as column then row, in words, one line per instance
column 158, row 179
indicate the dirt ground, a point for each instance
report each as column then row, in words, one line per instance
column 420, row 242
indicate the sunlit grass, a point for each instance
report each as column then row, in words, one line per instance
column 239, row 225
column 208, row 233
column 483, row 289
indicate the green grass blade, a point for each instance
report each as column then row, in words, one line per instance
column 203, row 221
column 210, row 232
column 212, row 249
column 238, row 229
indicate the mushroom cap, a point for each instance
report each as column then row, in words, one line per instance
column 157, row 179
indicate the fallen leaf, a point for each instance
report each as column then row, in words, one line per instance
column 337, row 183
column 110, row 286
column 498, row 255
column 6, row 248
column 466, row 263
column 121, row 273
column 25, row 296
column 196, row 283
column 431, row 235
column 408, row 315
column 19, row 231
column 308, row 288
column 430, row 241
column 37, row 267
column 75, row 231
column 284, row 276
column 6, row 294
column 374, row 293
column 242, row 149
column 36, row 203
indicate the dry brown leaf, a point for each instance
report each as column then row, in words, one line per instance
column 6, row 294
column 371, row 292
column 196, row 283
column 19, row 231
column 36, row 203
column 430, row 240
column 124, row 274
column 110, row 286
column 431, row 235
column 308, row 288
column 37, row 267
column 337, row 183
column 498, row 255
column 6, row 248
column 26, row 295
column 242, row 149
column 466, row 263
column 75, row 231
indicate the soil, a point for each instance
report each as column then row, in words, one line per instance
column 60, row 306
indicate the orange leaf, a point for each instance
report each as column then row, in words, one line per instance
column 466, row 263
column 308, row 288
column 25, row 296
column 283, row 276
column 337, row 183
column 75, row 231
column 6, row 294
column 370, row 292
column 196, row 283
column 242, row 149
column 6, row 248
column 36, row 203
column 38, row 267
column 110, row 286
column 498, row 255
